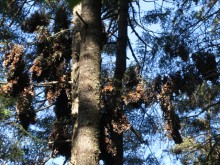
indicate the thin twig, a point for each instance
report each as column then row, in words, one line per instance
column 45, row 84
column 41, row 109
column 49, row 157
column 133, row 55
column 135, row 32
column 20, row 9
column 60, row 141
column 137, row 135
column 51, row 83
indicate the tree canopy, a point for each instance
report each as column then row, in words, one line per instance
column 157, row 90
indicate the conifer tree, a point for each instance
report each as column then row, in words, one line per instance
column 84, row 89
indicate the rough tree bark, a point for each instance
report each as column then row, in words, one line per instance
column 86, row 138
column 75, row 77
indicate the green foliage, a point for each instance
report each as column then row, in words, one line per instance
column 12, row 153
column 15, row 152
column 202, row 143
column 6, row 101
column 192, row 151
column 5, row 114
column 5, row 104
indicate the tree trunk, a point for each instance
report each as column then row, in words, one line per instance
column 117, row 137
column 75, row 78
column 121, row 42
column 86, row 137
column 120, row 69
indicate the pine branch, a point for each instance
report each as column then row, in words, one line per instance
column 51, row 83
column 60, row 141
column 44, row 84
column 135, row 32
column 46, row 107
column 137, row 135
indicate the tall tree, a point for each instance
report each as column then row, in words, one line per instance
column 75, row 75
column 120, row 67
column 86, row 137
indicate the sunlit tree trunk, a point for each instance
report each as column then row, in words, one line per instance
column 75, row 77
column 86, row 138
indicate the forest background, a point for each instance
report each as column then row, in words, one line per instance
column 158, row 103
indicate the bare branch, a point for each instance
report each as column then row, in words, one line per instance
column 41, row 109
column 44, row 84
column 135, row 32
column 51, row 83
column 133, row 55
column 60, row 141
column 137, row 135
column 20, row 9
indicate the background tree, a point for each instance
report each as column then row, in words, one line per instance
column 187, row 57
